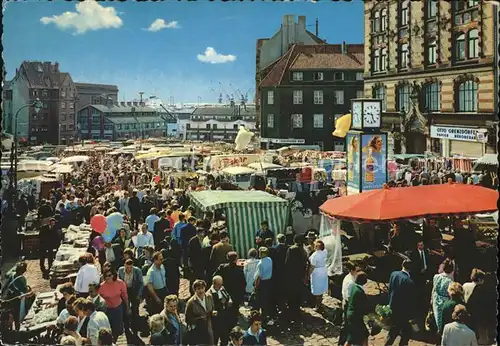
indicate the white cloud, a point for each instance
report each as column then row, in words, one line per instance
column 160, row 24
column 212, row 57
column 89, row 16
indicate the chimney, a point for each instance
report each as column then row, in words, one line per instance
column 302, row 22
column 344, row 47
column 56, row 67
column 129, row 104
column 122, row 103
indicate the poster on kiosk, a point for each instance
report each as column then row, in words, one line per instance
column 373, row 161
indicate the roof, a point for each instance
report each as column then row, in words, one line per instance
column 96, row 86
column 213, row 111
column 211, row 200
column 123, row 109
column 133, row 120
column 42, row 74
column 323, row 56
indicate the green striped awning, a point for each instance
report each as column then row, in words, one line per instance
column 244, row 211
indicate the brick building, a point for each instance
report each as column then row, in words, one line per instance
column 55, row 123
column 433, row 65
column 308, row 88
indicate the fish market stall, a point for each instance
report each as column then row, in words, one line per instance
column 75, row 244
column 43, row 312
column 244, row 211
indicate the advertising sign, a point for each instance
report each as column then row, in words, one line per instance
column 353, row 150
column 459, row 133
column 373, row 161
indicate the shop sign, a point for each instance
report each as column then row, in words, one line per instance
column 466, row 134
column 283, row 140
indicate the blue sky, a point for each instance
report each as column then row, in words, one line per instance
column 109, row 42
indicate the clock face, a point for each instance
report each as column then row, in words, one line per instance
column 356, row 115
column 371, row 114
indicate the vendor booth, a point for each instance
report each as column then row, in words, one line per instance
column 244, row 211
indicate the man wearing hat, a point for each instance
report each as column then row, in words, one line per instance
column 49, row 241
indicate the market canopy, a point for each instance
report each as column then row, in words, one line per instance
column 393, row 204
column 244, row 211
column 77, row 158
column 263, row 165
column 62, row 169
column 486, row 160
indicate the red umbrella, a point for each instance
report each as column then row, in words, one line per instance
column 391, row 204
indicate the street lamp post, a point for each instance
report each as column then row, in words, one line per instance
column 37, row 104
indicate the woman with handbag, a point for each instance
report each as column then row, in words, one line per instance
column 440, row 284
column 199, row 312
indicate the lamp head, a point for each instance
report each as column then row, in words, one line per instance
column 37, row 105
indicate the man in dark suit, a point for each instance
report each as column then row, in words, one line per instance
column 296, row 264
column 279, row 278
column 209, row 266
column 234, row 281
column 402, row 302
column 188, row 231
column 420, row 274
column 196, row 261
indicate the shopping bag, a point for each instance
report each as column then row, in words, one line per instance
column 430, row 322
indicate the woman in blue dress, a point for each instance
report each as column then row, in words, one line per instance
column 440, row 291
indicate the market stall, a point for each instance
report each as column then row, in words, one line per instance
column 488, row 162
column 244, row 211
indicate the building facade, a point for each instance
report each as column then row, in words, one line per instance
column 7, row 115
column 55, row 122
column 120, row 121
column 306, row 91
column 95, row 94
column 219, row 123
column 433, row 65
column 270, row 50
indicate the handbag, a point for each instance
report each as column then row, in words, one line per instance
column 430, row 322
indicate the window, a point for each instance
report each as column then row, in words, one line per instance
column 63, row 127
column 70, row 127
column 338, row 76
column 318, row 75
column 404, row 13
column 431, row 97
column 297, row 76
column 359, row 76
column 270, row 97
column 318, row 97
column 473, row 44
column 45, row 93
column 270, row 121
column 63, row 105
column 318, row 121
column 297, row 97
column 71, row 105
column 465, row 11
column 403, row 56
column 339, row 97
column 379, row 93
column 35, row 92
column 403, row 94
column 467, row 96
column 188, row 126
column 214, row 126
column 360, row 94
column 383, row 20
column 63, row 117
column 296, row 121
column 63, row 93
column 431, row 9
column 460, row 47
column 383, row 60
column 376, row 22
column 45, row 105
column 431, row 52
column 376, row 60
column 207, row 126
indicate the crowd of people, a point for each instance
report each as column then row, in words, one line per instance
column 163, row 240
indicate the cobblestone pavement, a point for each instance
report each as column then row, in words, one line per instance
column 315, row 331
